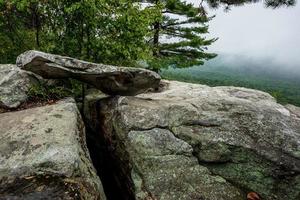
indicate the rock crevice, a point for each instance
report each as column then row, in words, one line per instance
column 184, row 141
column 191, row 142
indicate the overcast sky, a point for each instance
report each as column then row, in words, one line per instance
column 258, row 33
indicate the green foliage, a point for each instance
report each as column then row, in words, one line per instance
column 16, row 33
column 177, row 38
column 118, row 32
column 228, row 3
column 77, row 88
column 45, row 93
column 106, row 31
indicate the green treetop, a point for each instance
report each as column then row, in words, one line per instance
column 178, row 36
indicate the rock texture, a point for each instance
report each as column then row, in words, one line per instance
column 14, row 85
column 197, row 142
column 109, row 79
column 43, row 155
column 294, row 110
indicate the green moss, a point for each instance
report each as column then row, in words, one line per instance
column 251, row 172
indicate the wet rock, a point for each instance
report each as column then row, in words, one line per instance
column 192, row 141
column 109, row 79
column 43, row 155
column 14, row 85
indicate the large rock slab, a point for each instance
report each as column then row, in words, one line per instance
column 14, row 85
column 43, row 155
column 109, row 79
column 192, row 141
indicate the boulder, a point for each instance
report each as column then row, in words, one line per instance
column 43, row 155
column 109, row 79
column 14, row 85
column 192, row 141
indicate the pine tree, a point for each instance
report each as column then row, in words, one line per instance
column 227, row 4
column 178, row 36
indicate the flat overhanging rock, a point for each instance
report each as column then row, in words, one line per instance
column 109, row 79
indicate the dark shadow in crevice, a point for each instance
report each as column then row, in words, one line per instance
column 113, row 172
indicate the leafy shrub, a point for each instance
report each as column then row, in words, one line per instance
column 44, row 92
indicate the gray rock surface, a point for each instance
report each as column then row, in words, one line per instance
column 192, row 141
column 294, row 110
column 14, row 85
column 43, row 155
column 109, row 79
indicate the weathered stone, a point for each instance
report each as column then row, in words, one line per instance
column 192, row 141
column 43, row 155
column 294, row 110
column 14, row 85
column 164, row 168
column 109, row 79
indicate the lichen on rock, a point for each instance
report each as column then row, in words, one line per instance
column 14, row 85
column 109, row 79
column 191, row 141
column 43, row 154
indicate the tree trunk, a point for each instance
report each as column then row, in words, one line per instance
column 88, row 50
column 36, row 24
column 156, row 39
column 37, row 36
column 156, row 36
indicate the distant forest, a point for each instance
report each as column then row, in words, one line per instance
column 283, row 85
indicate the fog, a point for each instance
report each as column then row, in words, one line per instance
column 267, row 37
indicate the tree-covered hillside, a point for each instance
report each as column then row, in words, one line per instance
column 284, row 86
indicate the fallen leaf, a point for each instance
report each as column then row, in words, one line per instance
column 41, row 188
column 29, row 177
column 253, row 196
